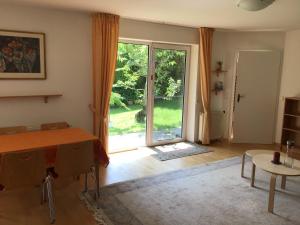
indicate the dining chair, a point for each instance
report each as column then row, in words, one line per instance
column 25, row 169
column 50, row 152
column 22, row 169
column 72, row 160
column 12, row 130
column 54, row 126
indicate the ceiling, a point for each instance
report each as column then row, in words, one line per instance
column 281, row 15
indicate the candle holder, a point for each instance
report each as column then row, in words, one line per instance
column 276, row 158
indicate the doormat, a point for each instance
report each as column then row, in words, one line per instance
column 178, row 150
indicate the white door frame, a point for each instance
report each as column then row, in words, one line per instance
column 150, row 83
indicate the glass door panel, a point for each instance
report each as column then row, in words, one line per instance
column 127, row 118
column 168, row 94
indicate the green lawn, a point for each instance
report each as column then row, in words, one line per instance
column 167, row 114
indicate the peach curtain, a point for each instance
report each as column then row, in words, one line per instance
column 105, row 31
column 206, row 35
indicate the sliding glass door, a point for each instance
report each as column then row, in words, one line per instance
column 147, row 106
column 167, row 113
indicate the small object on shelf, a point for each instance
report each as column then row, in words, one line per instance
column 276, row 158
column 289, row 161
column 220, row 64
column 218, row 86
column 219, row 68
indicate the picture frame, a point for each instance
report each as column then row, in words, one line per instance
column 22, row 55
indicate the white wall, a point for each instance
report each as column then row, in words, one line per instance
column 290, row 80
column 68, row 60
column 225, row 46
column 141, row 30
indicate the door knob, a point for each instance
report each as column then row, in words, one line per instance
column 239, row 97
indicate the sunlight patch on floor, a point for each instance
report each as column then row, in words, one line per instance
column 130, row 156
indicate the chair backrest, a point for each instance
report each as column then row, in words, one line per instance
column 12, row 130
column 74, row 159
column 54, row 126
column 22, row 169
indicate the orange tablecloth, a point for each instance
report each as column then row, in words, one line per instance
column 47, row 138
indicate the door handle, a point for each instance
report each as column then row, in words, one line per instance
column 239, row 97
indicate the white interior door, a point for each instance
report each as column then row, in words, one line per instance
column 256, row 97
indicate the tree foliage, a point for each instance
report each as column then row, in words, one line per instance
column 131, row 73
column 169, row 70
column 117, row 100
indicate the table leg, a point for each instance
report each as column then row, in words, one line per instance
column 272, row 193
column 283, row 182
column 253, row 175
column 243, row 164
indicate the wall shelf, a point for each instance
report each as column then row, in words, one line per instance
column 295, row 130
column 44, row 96
column 216, row 91
column 292, row 115
column 218, row 72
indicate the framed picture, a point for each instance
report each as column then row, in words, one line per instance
column 22, row 55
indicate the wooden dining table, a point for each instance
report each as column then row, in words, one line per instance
column 42, row 139
column 28, row 141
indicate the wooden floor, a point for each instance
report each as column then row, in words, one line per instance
column 23, row 207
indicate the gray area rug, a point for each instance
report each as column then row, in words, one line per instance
column 212, row 194
column 178, row 150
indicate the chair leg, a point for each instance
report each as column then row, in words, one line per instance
column 97, row 184
column 43, row 189
column 50, row 200
column 85, row 183
column 243, row 165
